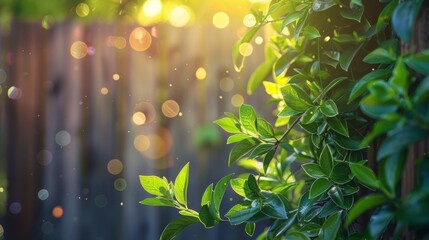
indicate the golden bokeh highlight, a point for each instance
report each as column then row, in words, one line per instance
column 115, row 166
column 170, row 108
column 220, row 20
column 139, row 118
column 249, row 20
column 245, row 49
column 79, row 49
column 116, row 77
column 201, row 73
column 237, row 100
column 141, row 143
column 57, row 212
column 116, row 42
column 82, row 10
column 180, row 16
column 147, row 109
column 226, row 84
column 152, row 8
column 140, row 39
column 104, row 91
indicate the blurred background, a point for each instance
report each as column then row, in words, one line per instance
column 95, row 93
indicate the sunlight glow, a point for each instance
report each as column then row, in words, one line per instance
column 201, row 73
column 152, row 8
column 180, row 16
column 249, row 20
column 139, row 118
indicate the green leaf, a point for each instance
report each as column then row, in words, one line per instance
column 375, row 107
column 240, row 213
column 155, row 185
column 238, row 59
column 290, row 18
column 274, row 207
column 283, row 63
column 364, row 174
column 378, row 222
column 251, row 188
column 296, row 98
column 207, row 195
column 331, row 85
column 248, row 118
column 422, row 91
column 347, row 57
column 259, row 75
column 237, row 184
column 349, row 189
column 228, row 124
column 326, row 161
column 313, row 170
column 385, row 15
column 337, row 196
column 267, row 159
column 391, row 169
column 382, row 126
column 347, row 143
column 288, row 112
column 339, row 126
column 177, row 226
column 404, row 18
column 328, row 209
column 340, row 173
column 329, row 108
column 158, row 202
column 319, row 186
column 261, row 150
column 181, row 185
column 363, row 205
column 353, row 13
column 419, row 62
column 378, row 56
column 400, row 140
column 310, row 229
column 311, row 32
column 400, row 78
column 294, row 235
column 322, row 5
column 360, row 86
column 330, row 227
column 264, row 128
column 219, row 191
column 206, row 217
column 305, row 205
column 237, row 138
column 280, row 226
column 310, row 115
column 250, row 229
column 241, row 149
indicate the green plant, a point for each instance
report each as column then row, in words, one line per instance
column 336, row 72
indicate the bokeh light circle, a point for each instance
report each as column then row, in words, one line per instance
column 147, row 109
column 79, row 49
column 82, row 10
column 139, row 118
column 201, row 73
column 226, row 84
column 3, row 76
column 245, row 49
column 140, row 39
column 100, row 201
column 237, row 100
column 43, row 194
column 220, row 20
column 57, row 212
column 180, row 16
column 120, row 184
column 141, row 143
column 14, row 93
column 115, row 166
column 63, row 138
column 116, row 77
column 170, row 108
column 249, row 20
column 15, row 208
column 104, row 91
column 44, row 157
